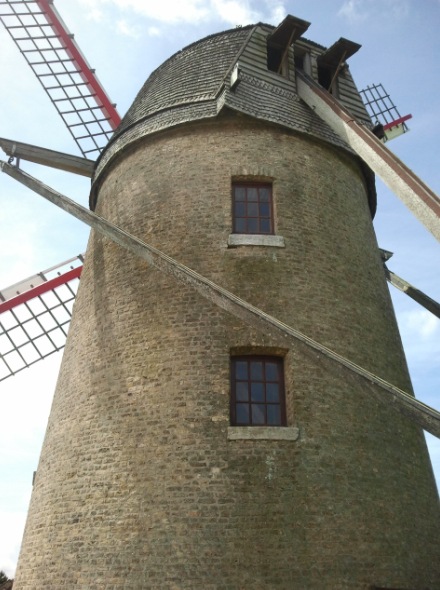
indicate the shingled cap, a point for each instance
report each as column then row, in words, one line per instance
column 194, row 74
column 195, row 84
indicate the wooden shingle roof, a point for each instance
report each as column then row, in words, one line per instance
column 194, row 84
column 191, row 75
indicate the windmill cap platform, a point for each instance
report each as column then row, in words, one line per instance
column 222, row 72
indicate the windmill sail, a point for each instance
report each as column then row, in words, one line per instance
column 35, row 316
column 72, row 86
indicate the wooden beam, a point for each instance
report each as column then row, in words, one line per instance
column 288, row 31
column 51, row 158
column 421, row 298
column 413, row 192
column 425, row 416
column 338, row 53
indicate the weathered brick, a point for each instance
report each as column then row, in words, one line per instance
column 138, row 486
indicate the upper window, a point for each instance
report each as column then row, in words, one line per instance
column 277, row 60
column 327, row 78
column 257, row 391
column 302, row 60
column 252, row 208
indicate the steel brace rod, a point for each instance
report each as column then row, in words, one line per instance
column 425, row 416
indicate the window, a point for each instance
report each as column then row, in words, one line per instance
column 327, row 79
column 331, row 63
column 302, row 60
column 277, row 60
column 252, row 209
column 257, row 391
column 299, row 60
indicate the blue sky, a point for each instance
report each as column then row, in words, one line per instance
column 124, row 40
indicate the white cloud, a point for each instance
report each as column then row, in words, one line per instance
column 95, row 15
column 124, row 28
column 232, row 12
column 397, row 8
column 420, row 332
column 154, row 32
column 353, row 10
column 357, row 11
column 278, row 12
column 422, row 323
column 235, row 12
column 24, row 406
column 170, row 11
column 10, row 540
column 25, row 403
column 18, row 252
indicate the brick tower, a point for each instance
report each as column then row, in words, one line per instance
column 185, row 449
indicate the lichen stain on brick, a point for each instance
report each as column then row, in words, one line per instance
column 271, row 467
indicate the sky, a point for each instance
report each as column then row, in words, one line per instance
column 125, row 40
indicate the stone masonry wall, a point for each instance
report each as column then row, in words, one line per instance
column 138, row 486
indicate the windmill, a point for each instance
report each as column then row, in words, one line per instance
column 304, row 96
column 71, row 85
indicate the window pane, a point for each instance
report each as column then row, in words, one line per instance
column 242, row 413
column 265, row 194
column 264, row 209
column 241, row 391
column 272, row 392
column 273, row 415
column 252, row 194
column 241, row 370
column 252, row 226
column 239, row 193
column 257, row 392
column 271, row 372
column 258, row 414
column 240, row 209
column 252, row 209
column 257, row 371
column 265, row 226
column 240, row 226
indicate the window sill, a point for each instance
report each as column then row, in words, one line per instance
column 263, row 433
column 255, row 240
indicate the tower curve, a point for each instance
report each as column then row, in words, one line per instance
column 185, row 449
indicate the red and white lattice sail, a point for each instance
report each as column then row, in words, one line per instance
column 35, row 313
column 50, row 50
column 35, row 316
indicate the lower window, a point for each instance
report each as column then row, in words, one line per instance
column 252, row 208
column 257, row 391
